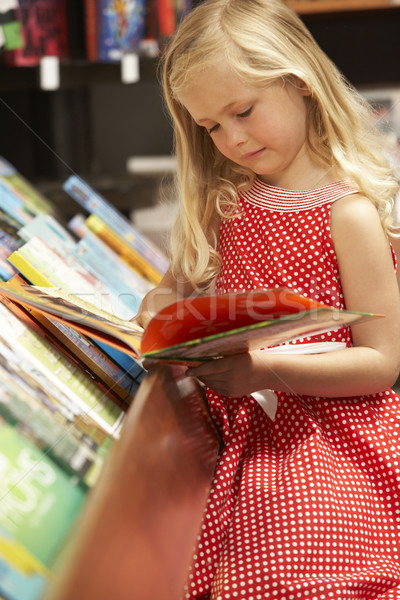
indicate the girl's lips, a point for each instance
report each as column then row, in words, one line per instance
column 253, row 155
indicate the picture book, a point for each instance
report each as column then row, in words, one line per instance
column 198, row 328
column 95, row 203
column 75, row 453
column 120, row 27
column 22, row 575
column 48, row 228
column 117, row 384
column 107, row 256
column 131, row 256
column 43, row 266
column 44, row 31
column 78, row 393
column 38, row 501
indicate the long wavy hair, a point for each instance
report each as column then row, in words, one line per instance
column 262, row 41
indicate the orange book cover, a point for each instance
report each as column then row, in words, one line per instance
column 198, row 328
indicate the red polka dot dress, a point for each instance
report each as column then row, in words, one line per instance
column 305, row 502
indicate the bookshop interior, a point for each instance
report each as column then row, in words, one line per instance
column 105, row 467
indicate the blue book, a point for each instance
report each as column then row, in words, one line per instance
column 121, row 26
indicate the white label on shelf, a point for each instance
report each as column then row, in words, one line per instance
column 130, row 72
column 49, row 72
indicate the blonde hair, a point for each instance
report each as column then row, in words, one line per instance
column 261, row 41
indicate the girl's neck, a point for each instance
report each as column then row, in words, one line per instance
column 305, row 174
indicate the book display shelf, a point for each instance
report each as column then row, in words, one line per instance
column 130, row 466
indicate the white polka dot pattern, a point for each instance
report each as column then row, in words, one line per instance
column 307, row 506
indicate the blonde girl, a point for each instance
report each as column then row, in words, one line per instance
column 283, row 182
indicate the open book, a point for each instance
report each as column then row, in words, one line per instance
column 197, row 328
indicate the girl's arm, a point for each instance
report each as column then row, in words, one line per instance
column 369, row 285
column 167, row 291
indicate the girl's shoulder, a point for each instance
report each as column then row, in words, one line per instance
column 354, row 215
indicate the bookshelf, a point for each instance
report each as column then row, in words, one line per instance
column 94, row 122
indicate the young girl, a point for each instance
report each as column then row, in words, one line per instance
column 283, row 183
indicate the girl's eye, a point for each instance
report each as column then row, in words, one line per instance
column 214, row 128
column 246, row 113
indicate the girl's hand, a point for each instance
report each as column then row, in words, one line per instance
column 234, row 376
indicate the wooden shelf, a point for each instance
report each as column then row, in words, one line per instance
column 304, row 7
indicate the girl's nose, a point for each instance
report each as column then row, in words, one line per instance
column 236, row 136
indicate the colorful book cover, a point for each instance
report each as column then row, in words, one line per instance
column 12, row 205
column 44, row 32
column 96, row 204
column 126, row 272
column 34, row 200
column 121, row 26
column 37, row 261
column 199, row 328
column 8, row 244
column 29, row 384
column 98, row 263
column 22, row 575
column 130, row 255
column 39, row 502
column 41, row 265
column 48, row 228
column 9, row 224
column 83, row 396
column 117, row 384
column 73, row 450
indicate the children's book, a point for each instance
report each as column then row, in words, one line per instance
column 43, row 266
column 94, row 203
column 120, row 27
column 131, row 256
column 38, row 501
column 110, row 259
column 87, row 357
column 195, row 329
column 78, row 393
column 44, row 31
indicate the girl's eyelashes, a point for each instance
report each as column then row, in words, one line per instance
column 245, row 113
column 212, row 129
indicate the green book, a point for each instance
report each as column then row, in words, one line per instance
column 38, row 501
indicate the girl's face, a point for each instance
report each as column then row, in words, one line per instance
column 263, row 129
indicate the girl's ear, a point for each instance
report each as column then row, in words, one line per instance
column 301, row 86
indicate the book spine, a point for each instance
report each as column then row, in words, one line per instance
column 91, row 29
column 28, row 270
column 166, row 18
